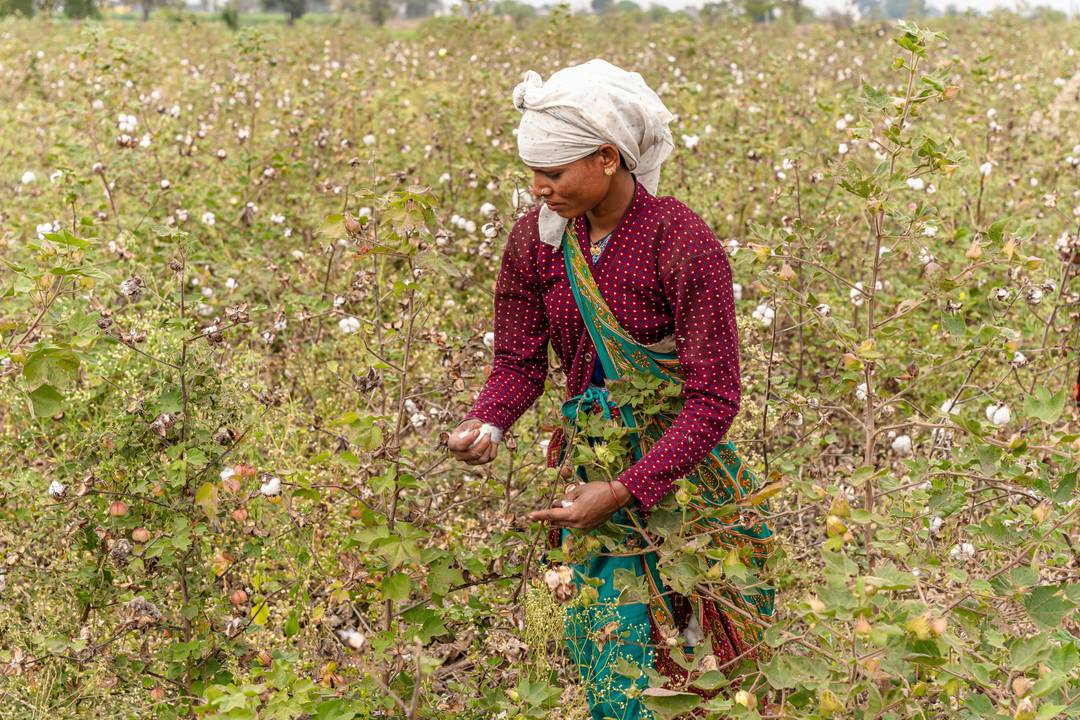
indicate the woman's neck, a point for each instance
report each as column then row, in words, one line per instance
column 608, row 212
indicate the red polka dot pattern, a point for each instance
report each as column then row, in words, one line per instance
column 662, row 272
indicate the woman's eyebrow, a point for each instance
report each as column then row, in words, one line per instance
column 547, row 171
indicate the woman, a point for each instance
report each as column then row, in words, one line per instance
column 623, row 283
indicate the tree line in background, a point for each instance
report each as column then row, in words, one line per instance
column 380, row 11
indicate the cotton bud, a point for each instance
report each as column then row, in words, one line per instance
column 1040, row 512
column 118, row 508
column 1021, row 686
column 862, row 626
column 747, row 699
column 140, row 535
column 938, row 626
column 238, row 597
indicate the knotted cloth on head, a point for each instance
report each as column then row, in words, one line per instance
column 580, row 108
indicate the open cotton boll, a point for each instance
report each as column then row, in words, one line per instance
column 901, row 445
column 999, row 415
column 271, row 487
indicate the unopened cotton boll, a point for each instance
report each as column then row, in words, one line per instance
column 998, row 415
column 348, row 325
column 901, row 445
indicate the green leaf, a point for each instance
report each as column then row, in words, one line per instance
column 53, row 366
column 260, row 613
column 1048, row 606
column 1044, row 406
column 45, row 401
column 206, row 497
column 670, row 703
column 292, row 623
column 395, row 587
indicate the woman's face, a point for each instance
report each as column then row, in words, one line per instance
column 573, row 189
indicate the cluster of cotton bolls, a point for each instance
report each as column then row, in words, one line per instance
column 962, row 550
column 1067, row 246
column 764, row 314
column 417, row 418
column 462, row 224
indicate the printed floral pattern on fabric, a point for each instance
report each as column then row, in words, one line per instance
column 720, row 479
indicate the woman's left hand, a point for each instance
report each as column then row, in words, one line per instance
column 585, row 505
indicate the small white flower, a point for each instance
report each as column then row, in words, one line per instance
column 369, row 139
column 208, row 218
column 901, row 445
column 860, row 391
column 998, row 415
column 28, row 177
column 348, row 325
column 489, row 339
column 271, row 487
column 985, row 168
column 56, row 489
column 916, row 183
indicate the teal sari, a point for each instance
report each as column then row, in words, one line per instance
column 612, row 643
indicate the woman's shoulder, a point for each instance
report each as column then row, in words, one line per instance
column 683, row 231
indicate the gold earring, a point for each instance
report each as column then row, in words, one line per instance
column 609, row 171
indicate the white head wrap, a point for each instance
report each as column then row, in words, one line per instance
column 580, row 108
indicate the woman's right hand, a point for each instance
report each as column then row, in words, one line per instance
column 460, row 443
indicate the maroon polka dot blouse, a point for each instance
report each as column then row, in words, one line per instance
column 663, row 271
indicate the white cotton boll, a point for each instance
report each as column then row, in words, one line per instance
column 230, row 283
column 842, row 148
column 489, row 231
column 884, row 249
column 369, row 139
column 271, row 487
column 985, row 168
column 856, row 296
column 28, row 177
column 348, row 325
column 901, row 445
column 493, row 431
column 487, row 209
column 489, row 339
column 297, row 254
column 544, row 444
column 916, row 183
column 56, row 489
column 444, row 178
column 227, row 473
column 860, row 391
column 520, row 197
column 352, row 638
column 935, row 525
column 841, row 124
column 690, row 141
column 764, row 314
column 965, row 549
column 823, row 309
column 418, row 420
column 469, row 227
column 998, row 415
column 949, row 407
column 930, row 231
column 1019, row 359
column 736, row 290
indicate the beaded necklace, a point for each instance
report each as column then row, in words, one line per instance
column 596, row 247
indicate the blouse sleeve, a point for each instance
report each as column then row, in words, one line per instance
column 696, row 280
column 520, row 364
